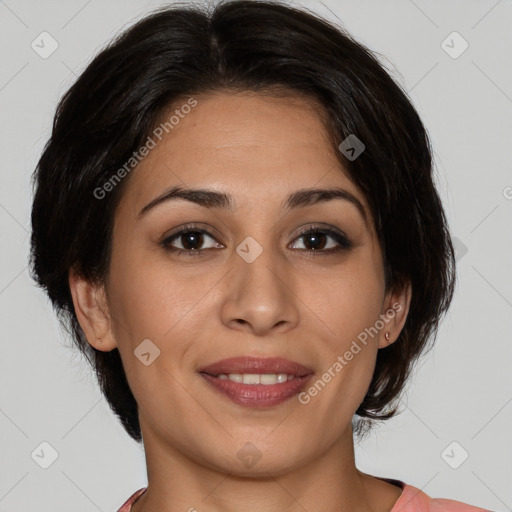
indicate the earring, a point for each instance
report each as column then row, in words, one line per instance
column 387, row 336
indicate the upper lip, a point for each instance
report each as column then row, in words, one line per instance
column 246, row 364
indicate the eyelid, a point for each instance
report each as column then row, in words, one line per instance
column 305, row 228
column 319, row 226
column 193, row 226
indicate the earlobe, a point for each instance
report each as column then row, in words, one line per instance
column 92, row 311
column 394, row 314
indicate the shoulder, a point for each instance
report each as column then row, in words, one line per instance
column 415, row 500
column 127, row 505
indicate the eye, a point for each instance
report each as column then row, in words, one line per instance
column 316, row 240
column 190, row 241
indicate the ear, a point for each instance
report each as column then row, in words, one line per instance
column 394, row 313
column 92, row 312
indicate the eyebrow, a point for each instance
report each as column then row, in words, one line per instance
column 214, row 199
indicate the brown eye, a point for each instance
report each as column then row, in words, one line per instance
column 317, row 240
column 189, row 241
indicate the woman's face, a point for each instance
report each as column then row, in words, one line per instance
column 253, row 287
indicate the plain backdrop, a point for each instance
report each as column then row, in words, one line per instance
column 459, row 402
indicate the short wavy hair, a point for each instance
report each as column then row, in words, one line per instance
column 241, row 45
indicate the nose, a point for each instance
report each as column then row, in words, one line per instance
column 260, row 297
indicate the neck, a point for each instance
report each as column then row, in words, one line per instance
column 176, row 482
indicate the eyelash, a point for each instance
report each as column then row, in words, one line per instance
column 342, row 240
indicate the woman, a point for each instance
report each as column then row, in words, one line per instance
column 235, row 216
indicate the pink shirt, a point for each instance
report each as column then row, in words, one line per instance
column 411, row 500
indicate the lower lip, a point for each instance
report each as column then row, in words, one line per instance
column 257, row 395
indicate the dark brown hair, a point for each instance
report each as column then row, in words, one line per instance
column 241, row 45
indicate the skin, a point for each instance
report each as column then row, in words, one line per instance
column 289, row 302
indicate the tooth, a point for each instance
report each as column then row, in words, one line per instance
column 256, row 378
column 251, row 378
column 268, row 378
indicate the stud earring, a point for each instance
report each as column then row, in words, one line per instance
column 387, row 336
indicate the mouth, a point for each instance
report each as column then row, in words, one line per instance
column 257, row 382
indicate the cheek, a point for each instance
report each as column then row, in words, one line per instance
column 354, row 304
column 154, row 299
column 353, row 300
column 349, row 354
column 151, row 302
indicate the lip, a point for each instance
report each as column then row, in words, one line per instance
column 246, row 364
column 257, row 395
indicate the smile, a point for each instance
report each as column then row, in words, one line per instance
column 257, row 378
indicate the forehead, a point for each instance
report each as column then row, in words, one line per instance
column 257, row 147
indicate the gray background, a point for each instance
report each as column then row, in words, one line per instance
column 462, row 391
